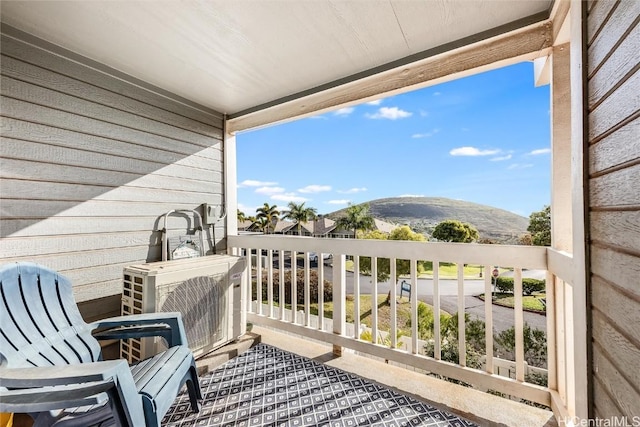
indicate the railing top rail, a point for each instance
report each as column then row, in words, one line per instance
column 532, row 257
column 560, row 263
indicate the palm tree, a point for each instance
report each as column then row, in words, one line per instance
column 299, row 213
column 357, row 218
column 262, row 224
column 270, row 213
column 241, row 216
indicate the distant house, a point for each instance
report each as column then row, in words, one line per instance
column 326, row 227
column 281, row 227
column 245, row 225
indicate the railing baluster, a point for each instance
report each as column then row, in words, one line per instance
column 437, row 352
column 249, row 283
column 270, row 282
column 320, row 263
column 374, row 300
column 339, row 299
column 519, row 322
column 570, row 388
column 392, row 302
column 294, row 287
column 356, row 296
column 307, row 291
column 462, row 339
column 488, row 319
column 259, row 281
column 414, row 306
column 281, row 293
column 550, row 305
column 561, row 338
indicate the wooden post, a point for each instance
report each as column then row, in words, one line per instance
column 561, row 209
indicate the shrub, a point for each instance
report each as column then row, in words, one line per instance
column 529, row 286
column 313, row 287
column 535, row 344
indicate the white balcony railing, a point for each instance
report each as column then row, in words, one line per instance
column 292, row 253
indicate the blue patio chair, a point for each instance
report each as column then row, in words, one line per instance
column 51, row 365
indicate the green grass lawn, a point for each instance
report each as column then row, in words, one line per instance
column 403, row 312
column 529, row 302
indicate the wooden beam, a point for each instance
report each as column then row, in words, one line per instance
column 526, row 43
column 560, row 17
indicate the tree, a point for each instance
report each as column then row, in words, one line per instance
column 261, row 224
column 270, row 214
column 241, row 216
column 452, row 230
column 357, row 218
column 540, row 227
column 299, row 213
column 403, row 266
column 525, row 239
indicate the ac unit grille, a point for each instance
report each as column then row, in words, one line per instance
column 206, row 291
column 202, row 302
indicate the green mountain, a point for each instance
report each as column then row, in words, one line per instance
column 422, row 214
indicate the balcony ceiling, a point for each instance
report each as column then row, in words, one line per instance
column 237, row 55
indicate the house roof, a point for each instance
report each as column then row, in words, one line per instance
column 385, row 227
column 283, row 226
column 244, row 58
column 244, row 224
column 323, row 226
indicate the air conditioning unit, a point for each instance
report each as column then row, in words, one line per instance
column 206, row 290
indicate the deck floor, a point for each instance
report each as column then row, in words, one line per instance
column 267, row 386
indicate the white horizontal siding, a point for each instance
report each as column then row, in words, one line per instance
column 614, row 193
column 89, row 164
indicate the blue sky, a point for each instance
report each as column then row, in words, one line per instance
column 483, row 139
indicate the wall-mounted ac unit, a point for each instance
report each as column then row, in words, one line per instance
column 206, row 290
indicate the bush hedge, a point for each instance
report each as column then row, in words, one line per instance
column 529, row 286
column 313, row 287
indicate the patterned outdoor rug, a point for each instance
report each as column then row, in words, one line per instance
column 267, row 386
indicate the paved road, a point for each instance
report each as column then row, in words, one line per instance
column 503, row 317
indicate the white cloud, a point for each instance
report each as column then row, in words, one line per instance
column 315, row 188
column 269, row 190
column 501, row 158
column 246, row 209
column 539, row 151
column 391, row 113
column 352, row 190
column 344, row 111
column 254, row 183
column 437, row 93
column 376, row 102
column 339, row 202
column 426, row 134
column 411, row 195
column 289, row 197
column 424, row 113
column 520, row 166
column 472, row 151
